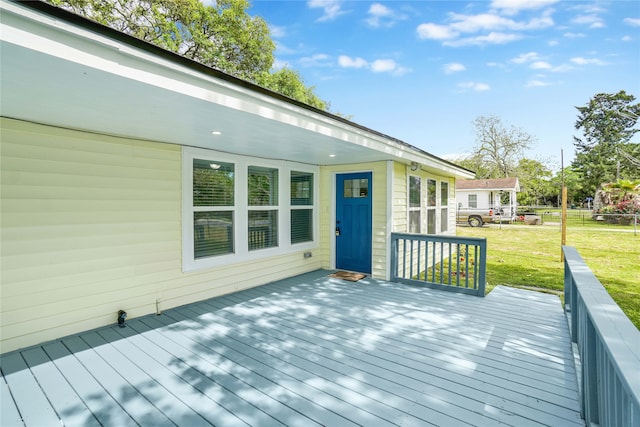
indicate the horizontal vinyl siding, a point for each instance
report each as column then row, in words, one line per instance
column 92, row 224
column 379, row 214
column 400, row 197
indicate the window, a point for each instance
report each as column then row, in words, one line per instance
column 356, row 188
column 444, row 207
column 213, row 201
column 301, row 207
column 238, row 208
column 473, row 200
column 415, row 204
column 431, row 206
column 262, row 190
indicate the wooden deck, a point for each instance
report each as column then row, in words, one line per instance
column 309, row 350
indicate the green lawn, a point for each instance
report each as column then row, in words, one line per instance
column 530, row 257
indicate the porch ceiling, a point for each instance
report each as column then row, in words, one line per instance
column 59, row 74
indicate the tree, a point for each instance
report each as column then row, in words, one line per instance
column 535, row 180
column 606, row 153
column 289, row 83
column 222, row 36
column 498, row 148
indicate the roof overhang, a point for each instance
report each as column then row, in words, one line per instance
column 63, row 70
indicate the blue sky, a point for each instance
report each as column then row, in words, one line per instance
column 422, row 71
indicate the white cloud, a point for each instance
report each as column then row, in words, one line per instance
column 348, row 62
column 277, row 32
column 491, row 38
column 435, row 31
column 593, row 21
column 553, row 43
column 514, row 6
column 317, row 60
column 331, row 9
column 491, row 29
column 574, row 35
column 381, row 16
column 540, row 65
column 584, row 61
column 378, row 66
column 526, row 57
column 537, row 83
column 626, row 38
column 453, row 67
column 383, row 65
column 634, row 22
column 478, row 87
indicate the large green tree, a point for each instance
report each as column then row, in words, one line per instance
column 605, row 152
column 223, row 36
column 535, row 179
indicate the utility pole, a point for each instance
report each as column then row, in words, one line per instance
column 564, row 208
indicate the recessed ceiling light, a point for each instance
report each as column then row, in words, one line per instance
column 216, row 132
column 332, row 155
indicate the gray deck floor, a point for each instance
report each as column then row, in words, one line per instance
column 309, row 350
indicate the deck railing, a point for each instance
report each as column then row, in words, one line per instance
column 608, row 345
column 452, row 263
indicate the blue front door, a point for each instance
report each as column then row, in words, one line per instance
column 353, row 222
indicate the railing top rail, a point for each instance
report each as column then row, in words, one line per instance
column 619, row 336
column 441, row 238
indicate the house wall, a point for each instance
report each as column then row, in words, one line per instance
column 400, row 206
column 379, row 190
column 462, row 196
column 91, row 224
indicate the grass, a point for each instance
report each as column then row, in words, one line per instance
column 530, row 257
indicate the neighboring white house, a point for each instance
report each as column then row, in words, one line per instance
column 130, row 180
column 499, row 194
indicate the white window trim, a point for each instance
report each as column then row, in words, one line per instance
column 241, row 207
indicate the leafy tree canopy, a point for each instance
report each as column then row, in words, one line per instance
column 605, row 152
column 223, row 36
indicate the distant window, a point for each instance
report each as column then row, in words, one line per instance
column 444, row 207
column 473, row 200
column 415, row 204
column 432, row 202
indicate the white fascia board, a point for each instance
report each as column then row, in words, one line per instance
column 36, row 31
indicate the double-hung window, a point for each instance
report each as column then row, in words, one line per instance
column 444, row 207
column 415, row 204
column 301, row 207
column 431, row 206
column 213, row 208
column 262, row 189
column 238, row 208
column 473, row 201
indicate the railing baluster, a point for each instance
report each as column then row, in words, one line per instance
column 426, row 256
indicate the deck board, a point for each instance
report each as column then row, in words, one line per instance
column 310, row 350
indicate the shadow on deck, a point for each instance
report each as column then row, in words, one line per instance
column 310, row 350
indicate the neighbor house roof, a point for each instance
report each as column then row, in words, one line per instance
column 488, row 184
column 64, row 70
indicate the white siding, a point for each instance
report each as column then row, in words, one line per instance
column 92, row 224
